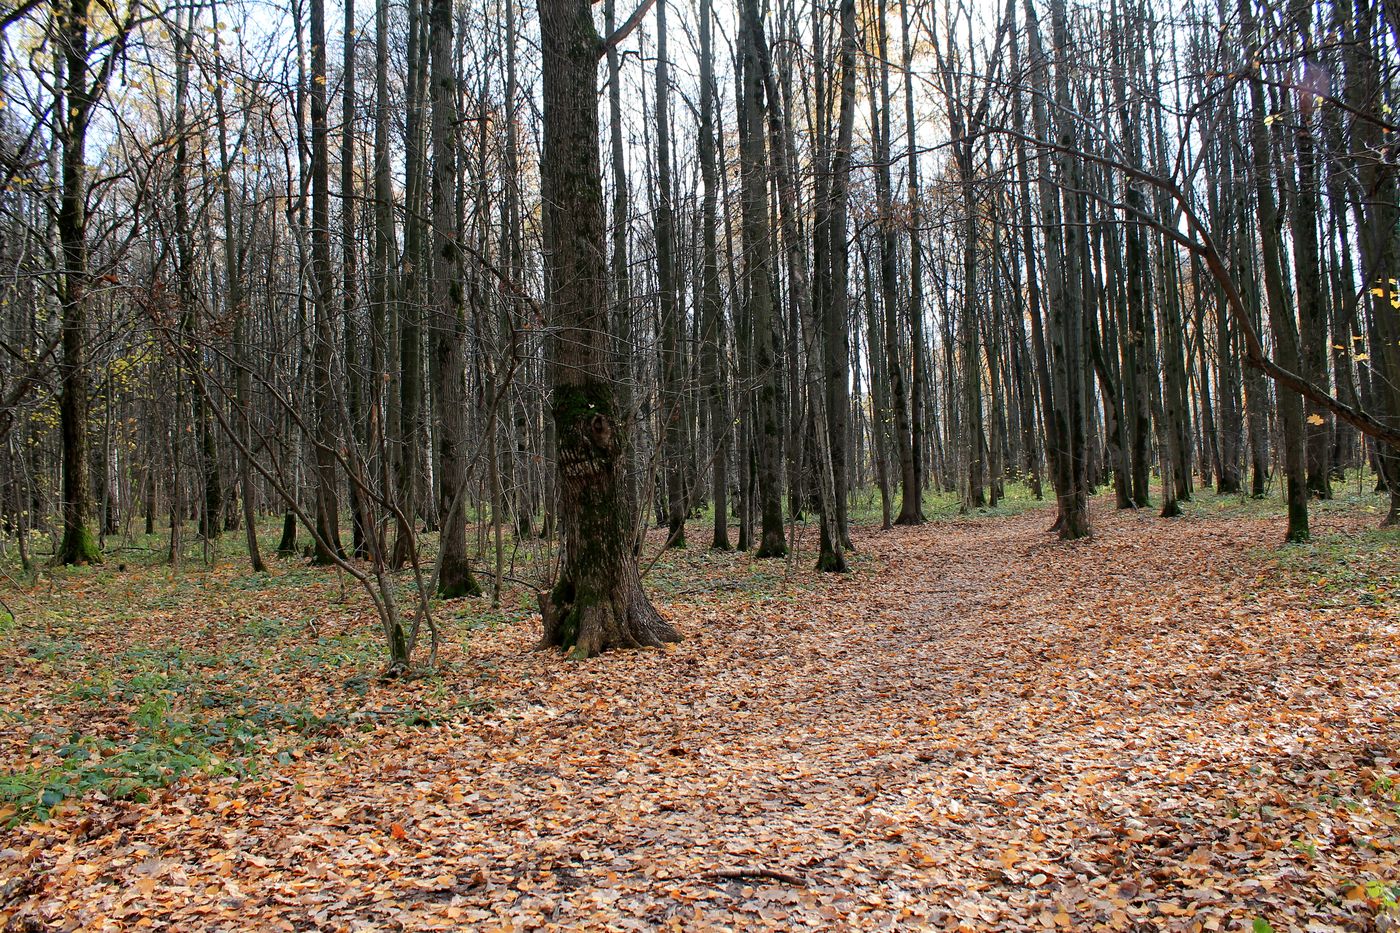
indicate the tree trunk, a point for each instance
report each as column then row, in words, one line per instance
column 672, row 364
column 455, row 577
column 76, row 102
column 758, row 273
column 1281, row 317
column 325, row 440
column 910, row 510
column 233, row 273
column 597, row 602
column 711, row 305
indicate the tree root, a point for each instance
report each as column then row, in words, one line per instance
column 587, row 628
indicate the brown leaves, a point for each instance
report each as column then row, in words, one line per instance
column 978, row 729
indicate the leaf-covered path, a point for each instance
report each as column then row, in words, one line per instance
column 1159, row 728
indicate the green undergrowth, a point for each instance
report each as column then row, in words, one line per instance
column 1355, row 494
column 941, row 506
column 1350, row 568
column 132, row 674
column 698, row 572
column 139, row 690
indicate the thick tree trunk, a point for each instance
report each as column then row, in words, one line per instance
column 77, row 545
column 597, row 603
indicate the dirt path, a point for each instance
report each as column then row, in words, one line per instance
column 981, row 726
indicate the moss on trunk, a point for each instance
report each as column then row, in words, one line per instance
column 79, row 547
column 457, row 581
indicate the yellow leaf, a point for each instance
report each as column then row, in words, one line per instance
column 1316, row 419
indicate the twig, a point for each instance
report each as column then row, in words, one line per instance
column 756, row 871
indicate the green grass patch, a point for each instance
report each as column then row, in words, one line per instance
column 939, row 506
column 1352, row 569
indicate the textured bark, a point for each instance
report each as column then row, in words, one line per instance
column 813, row 344
column 516, row 474
column 597, row 603
column 1174, row 403
column 918, row 400
column 672, row 361
column 1307, row 271
column 1137, row 364
column 758, row 275
column 1065, row 331
column 1343, row 307
column 409, row 446
column 910, row 510
column 355, row 388
column 1033, row 356
column 835, row 319
column 381, row 285
column 1281, row 316
column 77, row 545
column 878, row 405
column 455, row 577
column 1376, row 204
column 623, row 312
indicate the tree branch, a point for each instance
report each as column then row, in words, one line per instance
column 623, row 31
column 1203, row 245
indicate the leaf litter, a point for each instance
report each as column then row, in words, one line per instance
column 1167, row 727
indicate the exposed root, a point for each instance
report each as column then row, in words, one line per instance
column 586, row 628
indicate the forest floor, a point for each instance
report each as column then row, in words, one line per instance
column 1176, row 725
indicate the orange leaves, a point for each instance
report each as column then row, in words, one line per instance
column 978, row 730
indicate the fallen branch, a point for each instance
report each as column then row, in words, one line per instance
column 773, row 874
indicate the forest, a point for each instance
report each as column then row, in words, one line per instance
column 755, row 464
